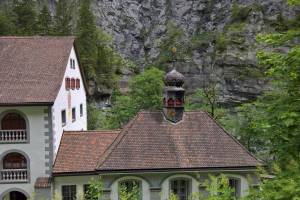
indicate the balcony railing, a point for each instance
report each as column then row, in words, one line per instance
column 13, row 175
column 13, row 136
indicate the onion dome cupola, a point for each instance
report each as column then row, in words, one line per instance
column 173, row 97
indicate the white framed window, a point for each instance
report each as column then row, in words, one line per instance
column 72, row 63
column 63, row 118
column 81, row 110
column 181, row 187
column 235, row 184
column 73, row 114
column 68, row 192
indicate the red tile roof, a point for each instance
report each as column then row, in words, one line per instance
column 43, row 182
column 32, row 68
column 80, row 151
column 150, row 142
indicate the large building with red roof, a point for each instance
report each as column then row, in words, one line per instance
column 161, row 152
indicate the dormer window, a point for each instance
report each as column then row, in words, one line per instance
column 72, row 63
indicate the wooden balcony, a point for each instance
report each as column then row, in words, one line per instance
column 13, row 176
column 13, row 136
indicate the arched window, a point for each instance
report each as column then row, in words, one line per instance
column 73, row 84
column 235, row 184
column 130, row 189
column 14, row 161
column 68, row 83
column 181, row 187
column 13, row 121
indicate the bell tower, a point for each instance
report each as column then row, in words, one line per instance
column 173, row 96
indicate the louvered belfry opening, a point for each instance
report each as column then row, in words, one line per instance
column 173, row 96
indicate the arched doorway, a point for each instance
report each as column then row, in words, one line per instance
column 15, row 195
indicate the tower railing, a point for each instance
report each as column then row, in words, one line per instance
column 13, row 136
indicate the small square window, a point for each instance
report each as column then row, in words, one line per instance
column 68, row 192
column 73, row 114
column 63, row 117
column 81, row 110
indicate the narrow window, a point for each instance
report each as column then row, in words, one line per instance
column 63, row 117
column 73, row 114
column 77, row 83
column 68, row 192
column 73, row 64
column 73, row 84
column 67, row 83
column 234, row 183
column 180, row 187
column 81, row 110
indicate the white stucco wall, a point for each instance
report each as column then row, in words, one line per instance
column 159, row 181
column 35, row 149
column 77, row 97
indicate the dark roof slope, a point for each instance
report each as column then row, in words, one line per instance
column 151, row 142
column 79, row 151
column 32, row 68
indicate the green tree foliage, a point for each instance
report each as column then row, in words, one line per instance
column 45, row 23
column 87, row 39
column 145, row 94
column 95, row 189
column 173, row 47
column 146, row 90
column 7, row 26
column 133, row 193
column 63, row 18
column 284, row 186
column 25, row 16
column 108, row 61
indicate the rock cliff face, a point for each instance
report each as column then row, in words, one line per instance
column 138, row 26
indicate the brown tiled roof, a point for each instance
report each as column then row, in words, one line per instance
column 32, row 68
column 79, row 151
column 43, row 182
column 151, row 142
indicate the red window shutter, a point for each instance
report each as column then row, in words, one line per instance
column 72, row 83
column 77, row 83
column 67, row 83
column 170, row 102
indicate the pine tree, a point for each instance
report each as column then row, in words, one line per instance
column 45, row 24
column 24, row 11
column 63, row 18
column 7, row 27
column 87, row 39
